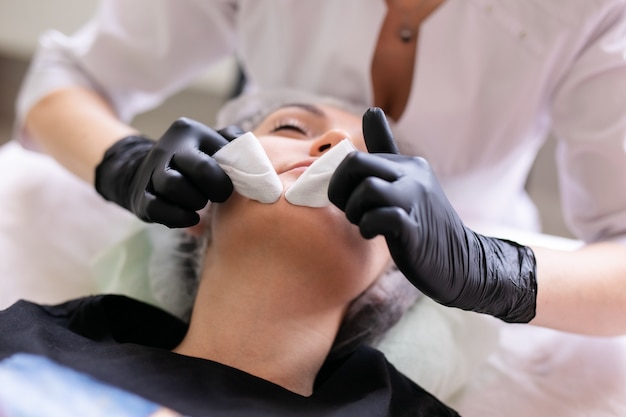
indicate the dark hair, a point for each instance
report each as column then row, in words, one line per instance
column 376, row 310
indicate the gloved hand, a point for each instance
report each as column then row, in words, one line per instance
column 398, row 196
column 167, row 181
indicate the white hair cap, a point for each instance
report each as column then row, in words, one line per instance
column 249, row 109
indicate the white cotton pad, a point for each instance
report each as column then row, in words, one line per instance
column 250, row 170
column 311, row 188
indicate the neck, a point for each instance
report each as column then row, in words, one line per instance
column 274, row 323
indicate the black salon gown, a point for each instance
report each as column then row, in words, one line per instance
column 126, row 343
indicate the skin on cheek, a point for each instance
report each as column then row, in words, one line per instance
column 202, row 225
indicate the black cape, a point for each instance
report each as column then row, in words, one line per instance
column 126, row 343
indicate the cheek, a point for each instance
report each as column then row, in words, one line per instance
column 274, row 156
column 375, row 260
column 370, row 262
column 283, row 151
column 380, row 256
column 370, row 256
column 277, row 149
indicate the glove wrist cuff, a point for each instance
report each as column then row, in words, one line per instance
column 525, row 308
column 114, row 173
column 504, row 279
column 514, row 278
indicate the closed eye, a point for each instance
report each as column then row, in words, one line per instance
column 291, row 124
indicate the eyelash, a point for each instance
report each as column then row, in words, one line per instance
column 290, row 124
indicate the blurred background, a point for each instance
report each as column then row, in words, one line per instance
column 22, row 21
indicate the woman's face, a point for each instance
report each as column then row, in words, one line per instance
column 293, row 138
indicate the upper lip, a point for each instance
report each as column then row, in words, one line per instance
column 299, row 164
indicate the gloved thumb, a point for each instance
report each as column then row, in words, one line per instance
column 377, row 133
column 231, row 132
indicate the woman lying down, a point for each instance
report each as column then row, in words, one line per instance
column 288, row 298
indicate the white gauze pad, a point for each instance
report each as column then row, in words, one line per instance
column 249, row 168
column 311, row 188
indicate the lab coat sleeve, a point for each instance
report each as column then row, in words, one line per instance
column 589, row 121
column 135, row 53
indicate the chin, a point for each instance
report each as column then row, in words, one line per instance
column 320, row 239
column 283, row 221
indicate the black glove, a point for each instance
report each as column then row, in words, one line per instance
column 167, row 181
column 398, row 196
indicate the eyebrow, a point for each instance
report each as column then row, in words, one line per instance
column 308, row 107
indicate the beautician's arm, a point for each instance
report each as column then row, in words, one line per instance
column 75, row 126
column 165, row 181
column 582, row 291
column 399, row 197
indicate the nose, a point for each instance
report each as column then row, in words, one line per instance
column 324, row 142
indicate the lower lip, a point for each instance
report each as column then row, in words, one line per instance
column 298, row 170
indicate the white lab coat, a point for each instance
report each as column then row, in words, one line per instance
column 492, row 79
